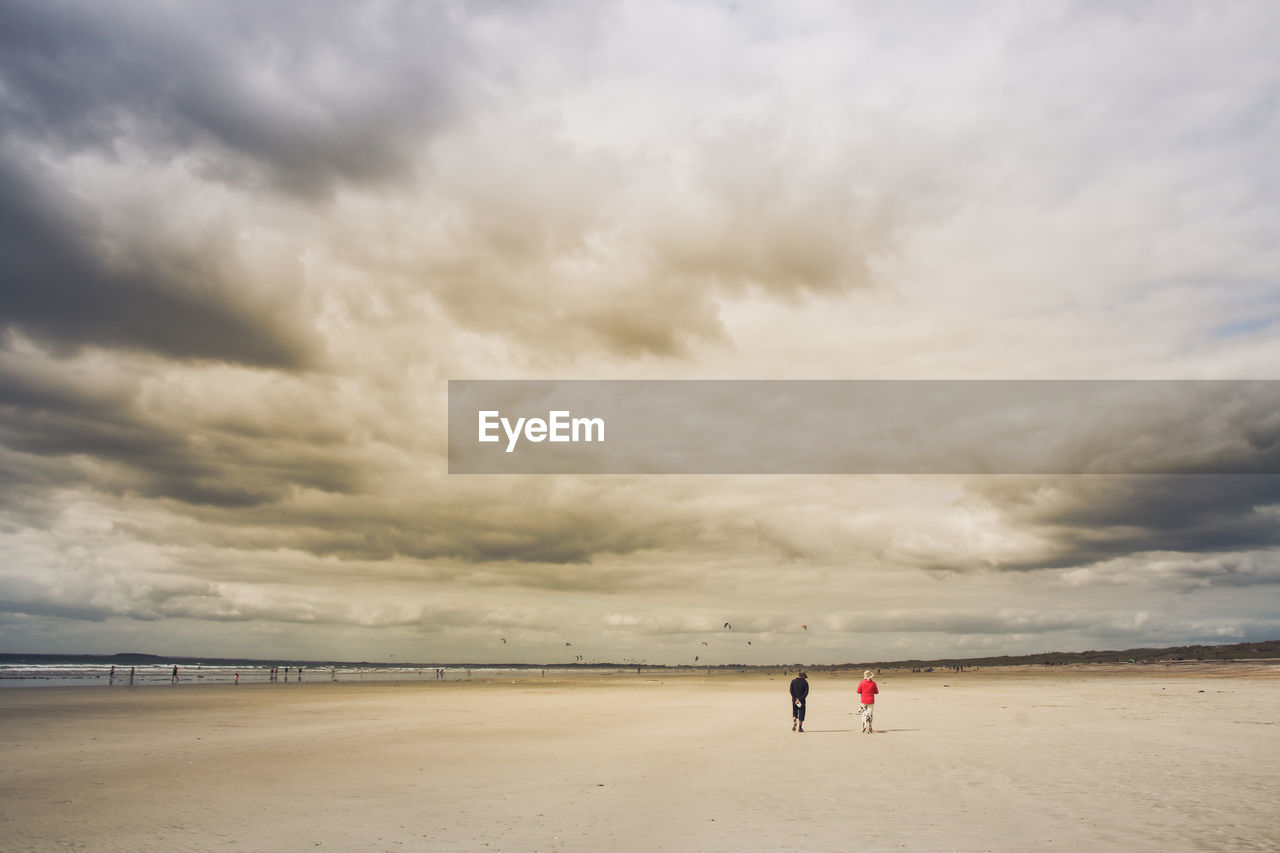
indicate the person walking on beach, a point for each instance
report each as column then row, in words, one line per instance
column 173, row 679
column 867, row 689
column 799, row 695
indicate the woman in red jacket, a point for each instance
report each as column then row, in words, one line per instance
column 867, row 689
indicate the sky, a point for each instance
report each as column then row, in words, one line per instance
column 245, row 246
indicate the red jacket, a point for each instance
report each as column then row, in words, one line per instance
column 868, row 689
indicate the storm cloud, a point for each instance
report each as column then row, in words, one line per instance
column 244, row 246
column 1091, row 519
column 272, row 96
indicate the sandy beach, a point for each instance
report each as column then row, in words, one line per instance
column 1182, row 757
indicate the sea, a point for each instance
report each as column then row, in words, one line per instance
column 150, row 671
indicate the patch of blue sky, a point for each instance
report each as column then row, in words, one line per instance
column 1244, row 327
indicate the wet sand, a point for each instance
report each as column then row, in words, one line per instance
column 1185, row 757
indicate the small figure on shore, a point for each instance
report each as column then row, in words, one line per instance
column 131, row 669
column 173, row 678
column 237, row 680
column 799, row 696
column 111, row 679
column 867, row 689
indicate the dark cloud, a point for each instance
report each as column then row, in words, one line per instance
column 58, row 284
column 303, row 99
column 558, row 247
column 1190, row 514
column 159, row 454
column 458, row 530
column 263, row 98
column 1091, row 519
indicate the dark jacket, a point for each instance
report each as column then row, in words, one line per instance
column 799, row 688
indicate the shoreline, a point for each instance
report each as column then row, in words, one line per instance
column 1223, row 652
column 1260, row 667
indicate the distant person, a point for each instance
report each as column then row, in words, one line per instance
column 131, row 669
column 173, row 679
column 867, row 689
column 799, row 695
column 111, row 679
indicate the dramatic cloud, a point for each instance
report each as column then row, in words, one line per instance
column 1088, row 520
column 243, row 247
column 73, row 283
column 301, row 100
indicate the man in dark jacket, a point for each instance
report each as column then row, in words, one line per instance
column 799, row 693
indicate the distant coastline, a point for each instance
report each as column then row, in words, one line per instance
column 1219, row 653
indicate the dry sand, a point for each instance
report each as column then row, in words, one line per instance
column 1074, row 758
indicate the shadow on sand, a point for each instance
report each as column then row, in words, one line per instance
column 858, row 731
